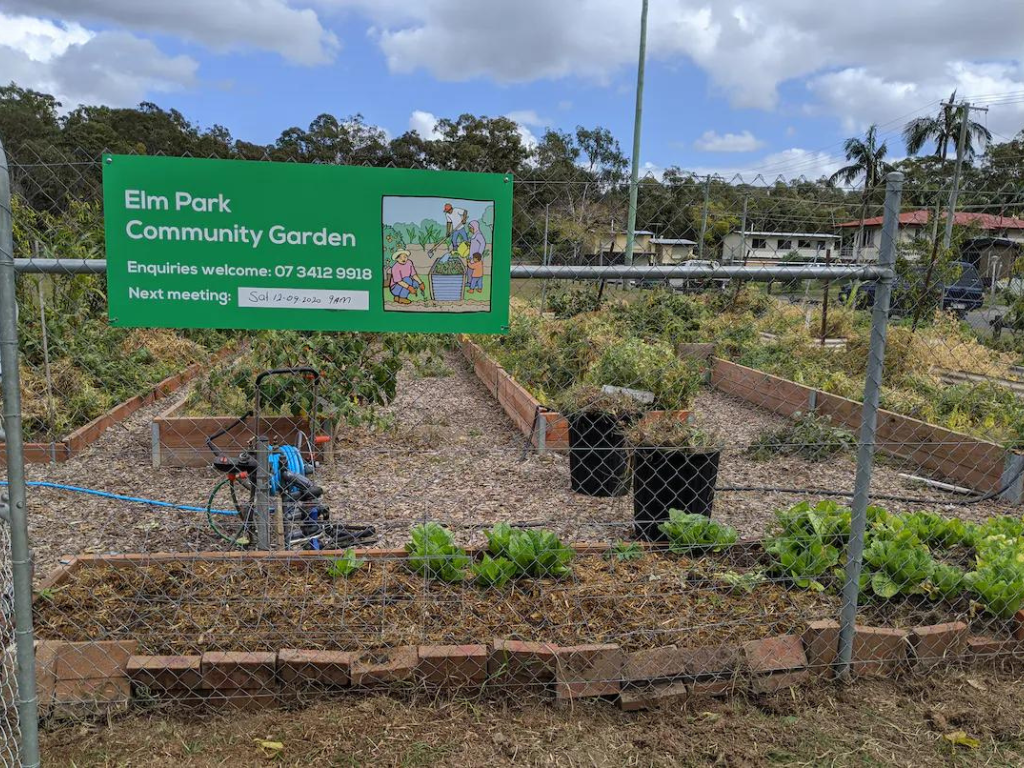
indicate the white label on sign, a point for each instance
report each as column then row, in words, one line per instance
column 303, row 298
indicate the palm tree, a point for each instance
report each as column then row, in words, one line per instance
column 944, row 130
column 867, row 159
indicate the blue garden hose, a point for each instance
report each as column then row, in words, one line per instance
column 120, row 497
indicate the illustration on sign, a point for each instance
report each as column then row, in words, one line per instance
column 441, row 264
column 197, row 243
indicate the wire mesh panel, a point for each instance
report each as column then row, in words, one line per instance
column 8, row 682
column 643, row 490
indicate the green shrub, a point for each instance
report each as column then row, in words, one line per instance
column 652, row 367
column 572, row 301
column 808, row 436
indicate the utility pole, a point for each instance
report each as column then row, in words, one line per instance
column 637, row 118
column 704, row 216
column 961, row 147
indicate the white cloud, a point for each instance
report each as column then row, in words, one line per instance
column 711, row 141
column 424, row 123
column 40, row 39
column 747, row 48
column 224, row 25
column 863, row 97
column 788, row 164
column 528, row 117
column 79, row 66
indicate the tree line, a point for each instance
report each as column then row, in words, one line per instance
column 569, row 186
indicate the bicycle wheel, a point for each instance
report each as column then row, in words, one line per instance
column 231, row 514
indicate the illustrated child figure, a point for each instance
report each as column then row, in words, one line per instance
column 476, row 273
column 404, row 279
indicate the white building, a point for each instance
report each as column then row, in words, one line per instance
column 668, row 250
column 775, row 247
column 917, row 225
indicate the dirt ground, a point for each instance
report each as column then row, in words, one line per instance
column 453, row 456
column 876, row 723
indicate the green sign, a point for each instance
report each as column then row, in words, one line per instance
column 234, row 244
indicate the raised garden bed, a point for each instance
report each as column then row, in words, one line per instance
column 180, row 441
column 966, row 460
column 545, row 428
column 63, row 449
column 241, row 630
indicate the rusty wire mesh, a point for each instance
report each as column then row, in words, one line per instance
column 643, row 489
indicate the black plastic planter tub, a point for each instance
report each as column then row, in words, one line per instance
column 671, row 478
column 598, row 462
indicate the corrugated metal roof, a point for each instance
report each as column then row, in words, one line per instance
column 672, row 241
column 806, row 235
column 962, row 218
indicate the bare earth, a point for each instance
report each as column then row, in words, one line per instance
column 454, row 457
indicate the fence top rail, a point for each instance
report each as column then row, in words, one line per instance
column 538, row 272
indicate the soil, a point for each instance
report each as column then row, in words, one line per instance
column 873, row 723
column 452, row 456
column 660, row 599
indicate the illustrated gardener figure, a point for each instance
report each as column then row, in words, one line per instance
column 475, row 273
column 404, row 279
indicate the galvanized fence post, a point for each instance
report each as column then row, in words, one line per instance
column 868, row 424
column 21, row 562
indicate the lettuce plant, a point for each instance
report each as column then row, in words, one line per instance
column 492, row 571
column 537, row 553
column 901, row 563
column 693, row 534
column 433, row 553
column 346, row 565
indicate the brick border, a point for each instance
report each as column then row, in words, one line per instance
column 76, row 442
column 98, row 676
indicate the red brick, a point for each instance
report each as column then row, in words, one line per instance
column 588, row 670
column 239, row 669
column 321, row 668
column 1018, row 625
column 166, row 673
column 939, row 643
column 453, row 665
column 92, row 661
column 515, row 661
column 671, row 663
column 878, row 652
column 653, row 696
column 821, row 645
column 774, row 654
column 982, row 648
column 779, row 681
column 103, row 691
column 384, row 665
column 47, row 652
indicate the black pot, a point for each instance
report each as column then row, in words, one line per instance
column 671, row 478
column 598, row 462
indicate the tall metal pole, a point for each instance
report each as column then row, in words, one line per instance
column 868, row 424
column 634, row 179
column 21, row 558
column 262, row 500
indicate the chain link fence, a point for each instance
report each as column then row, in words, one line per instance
column 683, row 471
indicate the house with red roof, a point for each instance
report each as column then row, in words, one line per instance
column 994, row 244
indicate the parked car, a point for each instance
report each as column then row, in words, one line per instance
column 962, row 295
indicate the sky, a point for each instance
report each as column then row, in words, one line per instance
column 769, row 87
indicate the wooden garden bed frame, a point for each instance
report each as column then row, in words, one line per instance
column 76, row 442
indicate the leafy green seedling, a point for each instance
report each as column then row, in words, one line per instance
column 344, row 566
column 624, row 551
column 492, row 571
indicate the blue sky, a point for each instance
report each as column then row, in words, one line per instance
column 769, row 86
